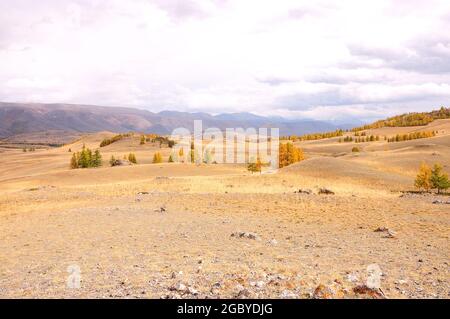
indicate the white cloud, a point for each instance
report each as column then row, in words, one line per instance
column 295, row 58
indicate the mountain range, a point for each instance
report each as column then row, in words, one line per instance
column 20, row 118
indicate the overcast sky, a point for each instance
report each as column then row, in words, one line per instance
column 315, row 59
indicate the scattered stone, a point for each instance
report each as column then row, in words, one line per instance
column 389, row 232
column 287, row 294
column 369, row 292
column 303, row 191
column 352, row 277
column 257, row 284
column 243, row 293
column 438, row 201
column 192, row 291
column 325, row 191
column 253, row 236
column 179, row 287
column 175, row 275
column 322, row 292
column 217, row 285
column 121, row 162
column 160, row 210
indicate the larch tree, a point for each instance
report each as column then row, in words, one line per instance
column 423, row 178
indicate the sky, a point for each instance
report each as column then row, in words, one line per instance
column 325, row 60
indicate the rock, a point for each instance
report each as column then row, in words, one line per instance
column 160, row 210
column 352, row 277
column 121, row 162
column 179, row 287
column 175, row 275
column 322, row 292
column 143, row 193
column 389, row 232
column 273, row 242
column 325, row 191
column 438, row 201
column 192, row 291
column 303, row 191
column 253, row 236
column 369, row 292
column 217, row 285
column 257, row 284
column 287, row 294
column 243, row 293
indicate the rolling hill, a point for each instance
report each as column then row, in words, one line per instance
column 20, row 118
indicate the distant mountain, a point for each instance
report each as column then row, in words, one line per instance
column 20, row 118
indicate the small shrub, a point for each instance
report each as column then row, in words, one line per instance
column 255, row 166
column 157, row 158
column 355, row 149
column 132, row 158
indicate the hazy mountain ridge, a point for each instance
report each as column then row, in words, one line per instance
column 19, row 118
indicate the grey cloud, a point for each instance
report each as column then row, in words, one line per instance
column 346, row 96
column 274, row 81
column 305, row 101
column 428, row 56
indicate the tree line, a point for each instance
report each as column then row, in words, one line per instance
column 313, row 136
column 411, row 136
column 108, row 141
column 409, row 119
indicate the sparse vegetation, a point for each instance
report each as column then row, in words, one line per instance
column 86, row 159
column 142, row 140
column 355, row 149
